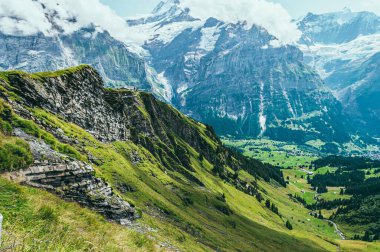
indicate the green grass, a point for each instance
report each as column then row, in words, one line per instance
column 334, row 193
column 58, row 73
column 14, row 154
column 273, row 152
column 37, row 221
column 298, row 185
column 11, row 120
column 324, row 170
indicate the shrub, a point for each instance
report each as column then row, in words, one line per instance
column 288, row 225
column 47, row 213
column 14, row 154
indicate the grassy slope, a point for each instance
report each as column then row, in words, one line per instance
column 156, row 188
column 178, row 211
column 35, row 220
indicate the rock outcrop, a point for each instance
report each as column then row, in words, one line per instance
column 72, row 180
column 76, row 181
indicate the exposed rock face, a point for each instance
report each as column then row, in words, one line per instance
column 72, row 180
column 337, row 27
column 75, row 181
column 109, row 115
column 361, row 98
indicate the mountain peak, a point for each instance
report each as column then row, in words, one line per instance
column 346, row 10
column 165, row 6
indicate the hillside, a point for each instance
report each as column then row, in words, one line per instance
column 168, row 178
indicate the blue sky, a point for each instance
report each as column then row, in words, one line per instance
column 296, row 8
column 127, row 8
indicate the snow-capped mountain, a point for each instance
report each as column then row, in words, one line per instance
column 237, row 77
column 337, row 27
column 343, row 47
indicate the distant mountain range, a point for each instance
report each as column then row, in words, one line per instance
column 344, row 48
column 234, row 76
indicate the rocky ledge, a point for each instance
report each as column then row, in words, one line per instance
column 72, row 180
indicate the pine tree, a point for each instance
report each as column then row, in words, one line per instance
column 308, row 179
column 367, row 236
column 288, row 225
column 341, row 191
column 320, row 216
column 267, row 203
column 259, row 197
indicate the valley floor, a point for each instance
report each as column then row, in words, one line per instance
column 296, row 161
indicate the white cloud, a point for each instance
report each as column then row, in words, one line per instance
column 22, row 17
column 371, row 5
column 272, row 16
column 27, row 17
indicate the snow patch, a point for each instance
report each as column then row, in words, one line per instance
column 182, row 87
column 272, row 16
column 167, row 91
column 262, row 116
column 209, row 38
column 67, row 54
column 354, row 52
column 165, row 34
column 290, row 108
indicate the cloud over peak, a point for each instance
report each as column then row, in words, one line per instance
column 272, row 16
column 28, row 17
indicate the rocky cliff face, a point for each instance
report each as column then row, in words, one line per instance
column 360, row 97
column 107, row 114
column 337, row 27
